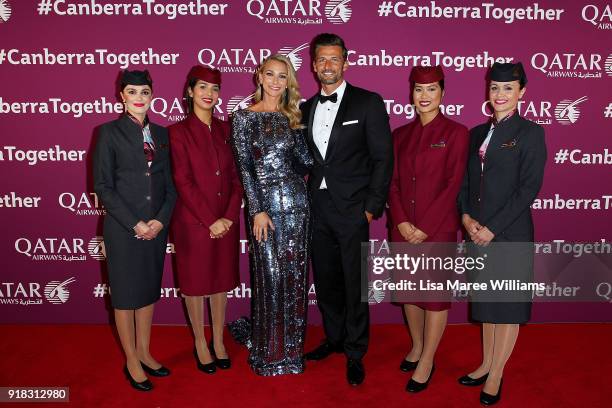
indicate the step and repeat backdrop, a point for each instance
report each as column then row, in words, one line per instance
column 59, row 61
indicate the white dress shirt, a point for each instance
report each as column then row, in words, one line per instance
column 324, row 117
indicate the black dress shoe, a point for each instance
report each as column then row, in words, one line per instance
column 355, row 373
column 159, row 372
column 473, row 382
column 323, row 351
column 145, row 385
column 488, row 399
column 222, row 363
column 407, row 366
column 415, row 386
column 209, row 368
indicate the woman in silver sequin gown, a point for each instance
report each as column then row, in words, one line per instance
column 270, row 151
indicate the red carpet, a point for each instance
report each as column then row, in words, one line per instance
column 554, row 365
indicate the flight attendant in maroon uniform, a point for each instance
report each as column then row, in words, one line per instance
column 430, row 157
column 206, row 221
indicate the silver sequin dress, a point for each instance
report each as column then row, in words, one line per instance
column 269, row 155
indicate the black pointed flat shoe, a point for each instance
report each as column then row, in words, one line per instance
column 145, row 385
column 407, row 366
column 159, row 372
column 415, row 386
column 488, row 399
column 209, row 368
column 222, row 363
column 473, row 382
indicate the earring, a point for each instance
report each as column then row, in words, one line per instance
column 261, row 89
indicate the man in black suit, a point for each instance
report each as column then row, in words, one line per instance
column 348, row 133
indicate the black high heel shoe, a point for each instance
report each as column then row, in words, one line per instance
column 159, row 372
column 145, row 385
column 407, row 366
column 222, row 363
column 488, row 399
column 415, row 386
column 209, row 368
column 473, row 382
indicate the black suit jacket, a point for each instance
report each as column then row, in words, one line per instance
column 128, row 188
column 500, row 195
column 359, row 161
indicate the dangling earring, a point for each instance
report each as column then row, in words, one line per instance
column 261, row 90
column 286, row 96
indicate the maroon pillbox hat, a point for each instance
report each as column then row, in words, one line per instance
column 426, row 75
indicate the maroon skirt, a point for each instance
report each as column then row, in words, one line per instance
column 441, row 237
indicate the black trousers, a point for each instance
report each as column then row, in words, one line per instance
column 336, row 261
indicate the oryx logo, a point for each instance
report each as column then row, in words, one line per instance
column 5, row 11
column 567, row 111
column 376, row 296
column 608, row 65
column 293, row 54
column 338, row 11
column 96, row 248
column 57, row 292
column 238, row 102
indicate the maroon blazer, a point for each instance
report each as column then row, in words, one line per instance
column 208, row 188
column 205, row 175
column 428, row 170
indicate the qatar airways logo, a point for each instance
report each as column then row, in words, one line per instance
column 375, row 296
column 239, row 102
column 570, row 65
column 566, row 112
column 57, row 292
column 97, row 249
column 81, row 204
column 33, row 293
column 300, row 12
column 52, row 249
column 608, row 65
column 246, row 60
column 5, row 11
column 598, row 15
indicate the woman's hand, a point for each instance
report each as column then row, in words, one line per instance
column 261, row 223
column 155, row 227
column 228, row 224
column 417, row 237
column 218, row 229
column 144, row 231
column 406, row 229
column 483, row 237
column 471, row 225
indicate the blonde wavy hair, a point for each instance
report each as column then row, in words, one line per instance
column 290, row 99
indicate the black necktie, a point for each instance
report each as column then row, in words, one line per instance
column 333, row 98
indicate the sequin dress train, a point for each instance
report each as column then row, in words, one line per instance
column 269, row 155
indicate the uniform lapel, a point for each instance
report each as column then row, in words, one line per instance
column 134, row 138
column 505, row 131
